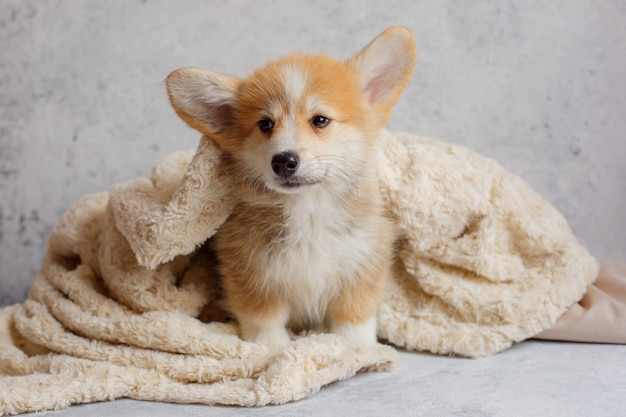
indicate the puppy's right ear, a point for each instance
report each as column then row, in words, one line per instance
column 203, row 99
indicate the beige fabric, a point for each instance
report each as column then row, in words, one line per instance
column 600, row 316
column 127, row 299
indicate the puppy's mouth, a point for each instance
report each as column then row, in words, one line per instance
column 295, row 183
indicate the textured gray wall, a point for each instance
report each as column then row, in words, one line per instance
column 538, row 85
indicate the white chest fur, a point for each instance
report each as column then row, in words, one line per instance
column 323, row 245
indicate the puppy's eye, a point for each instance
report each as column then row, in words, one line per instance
column 266, row 125
column 320, row 121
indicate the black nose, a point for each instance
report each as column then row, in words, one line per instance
column 285, row 164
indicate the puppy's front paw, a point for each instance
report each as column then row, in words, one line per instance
column 274, row 339
column 272, row 334
column 361, row 334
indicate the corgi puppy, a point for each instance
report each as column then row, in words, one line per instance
column 309, row 244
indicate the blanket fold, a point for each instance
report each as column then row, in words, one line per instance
column 127, row 302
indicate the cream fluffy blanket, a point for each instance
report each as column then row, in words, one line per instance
column 127, row 301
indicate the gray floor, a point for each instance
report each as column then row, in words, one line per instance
column 534, row 378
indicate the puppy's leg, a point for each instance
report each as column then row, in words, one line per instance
column 261, row 315
column 353, row 313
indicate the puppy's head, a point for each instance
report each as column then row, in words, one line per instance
column 302, row 120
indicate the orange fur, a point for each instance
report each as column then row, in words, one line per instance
column 309, row 243
column 358, row 299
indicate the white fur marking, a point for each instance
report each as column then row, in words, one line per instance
column 294, row 81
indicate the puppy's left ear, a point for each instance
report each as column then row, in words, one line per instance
column 385, row 67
